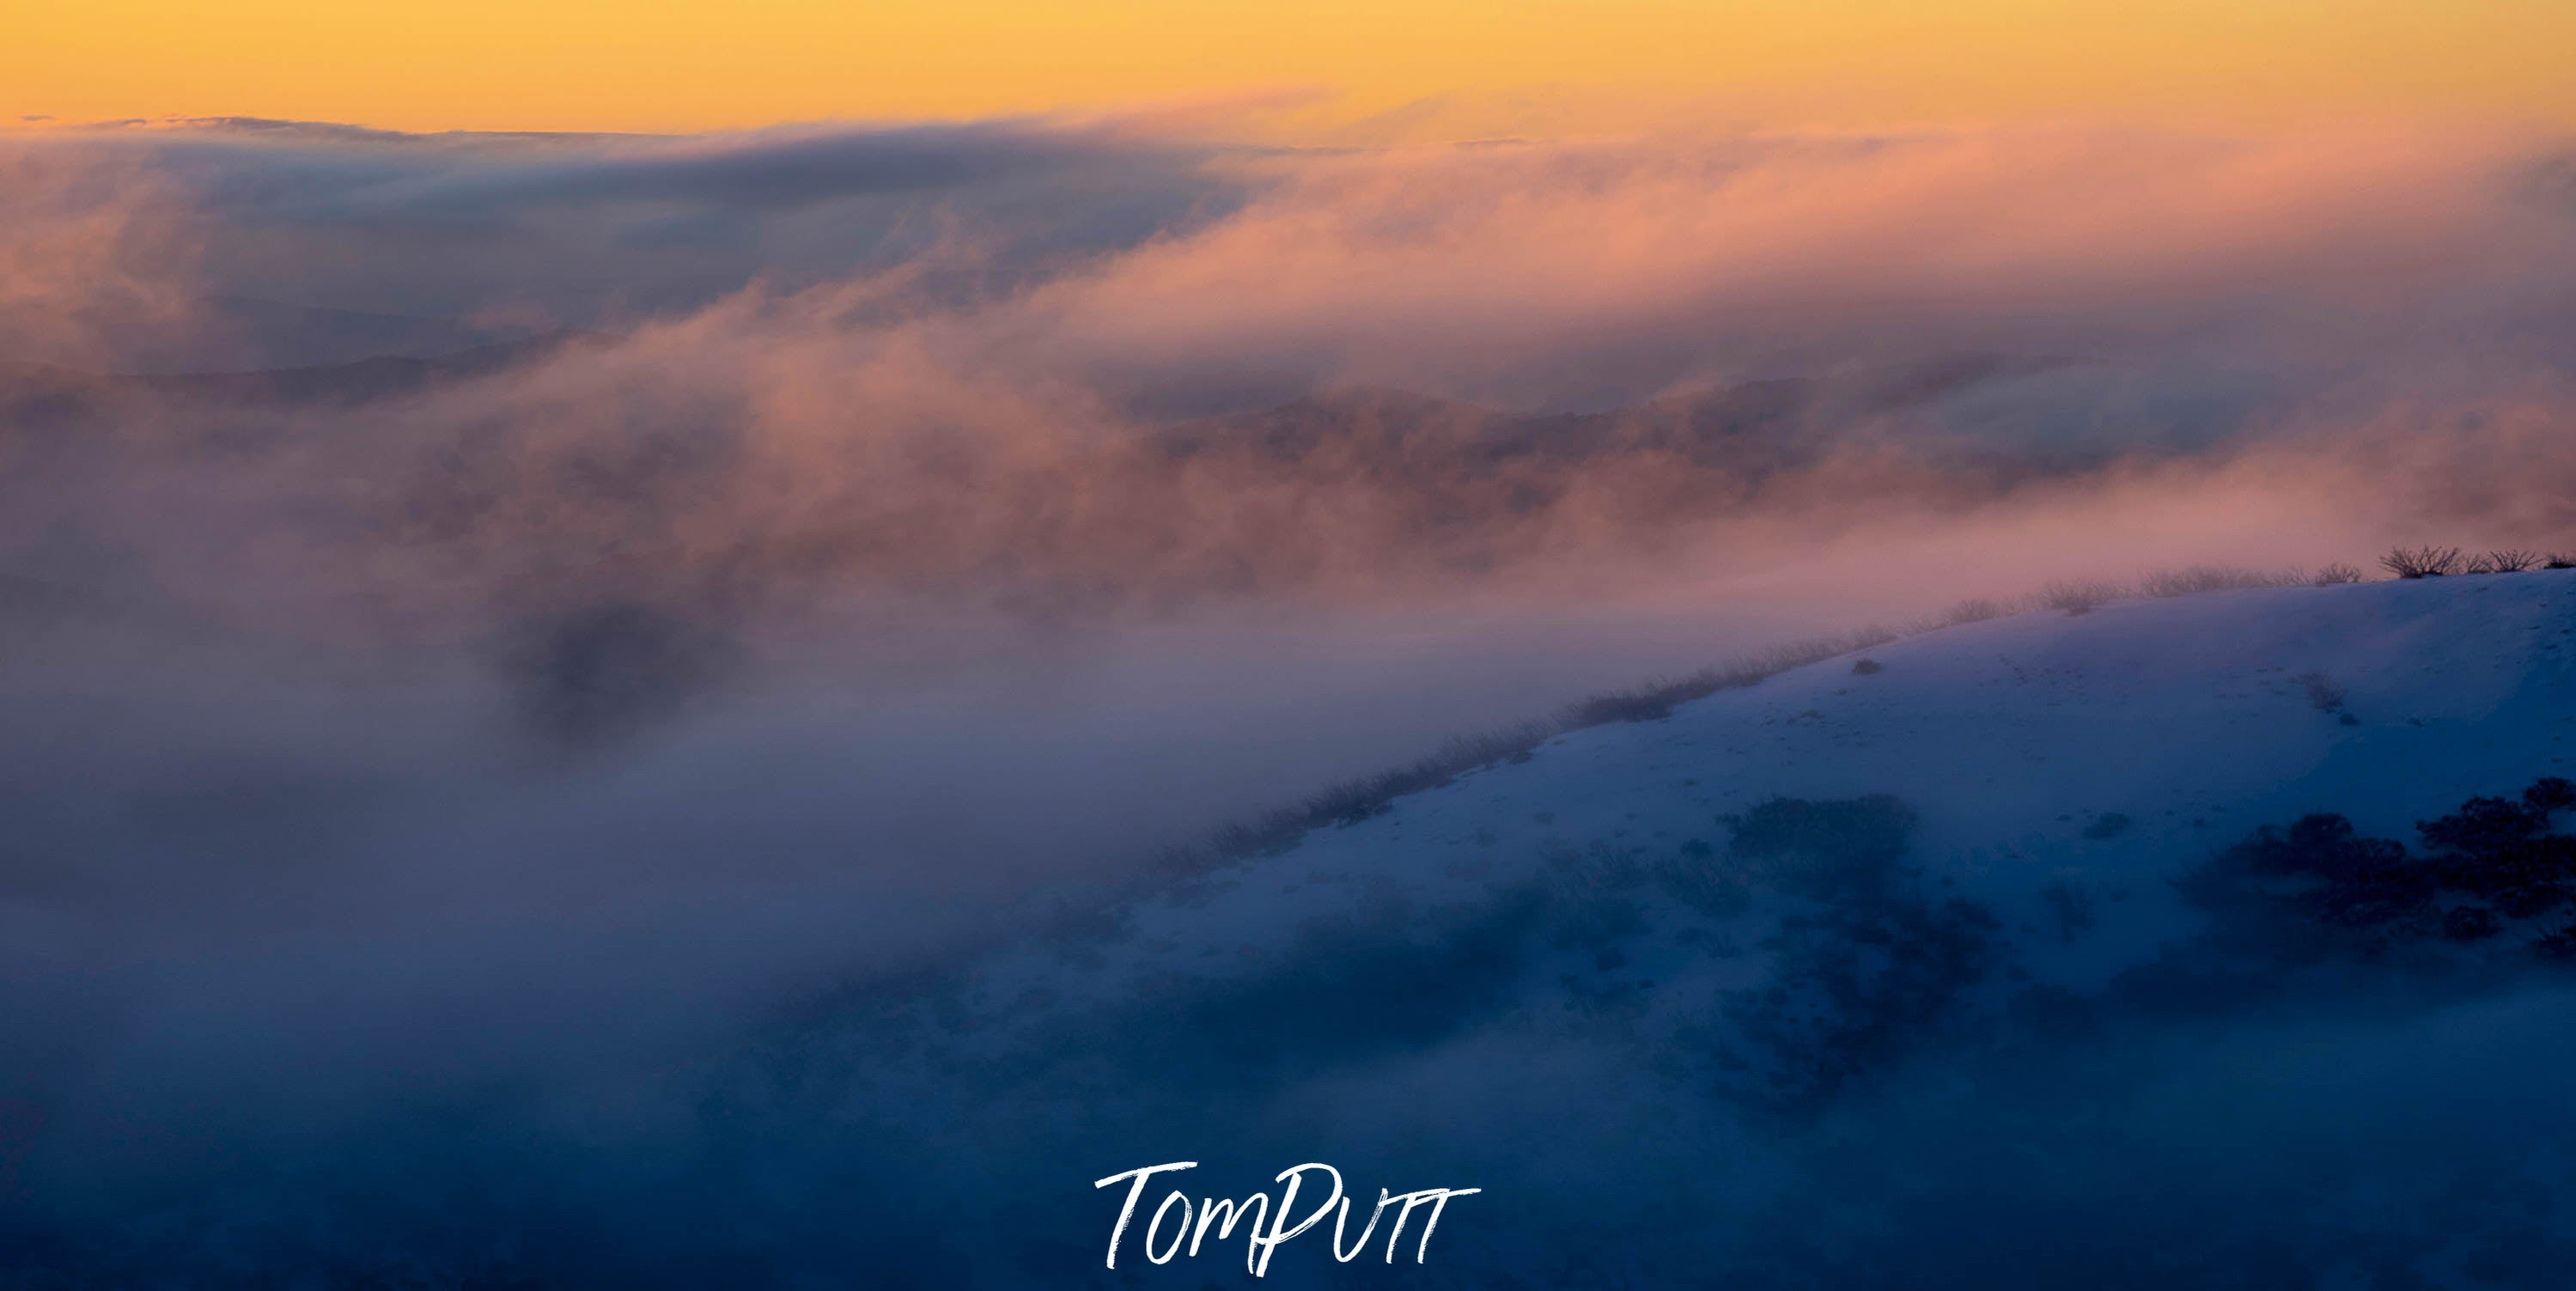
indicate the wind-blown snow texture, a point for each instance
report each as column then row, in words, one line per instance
column 1860, row 976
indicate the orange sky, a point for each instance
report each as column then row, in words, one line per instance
column 1526, row 65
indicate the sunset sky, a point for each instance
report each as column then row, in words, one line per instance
column 652, row 645
column 1313, row 68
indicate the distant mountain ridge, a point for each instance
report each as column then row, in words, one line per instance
column 43, row 393
column 1736, row 425
column 1359, row 491
column 228, row 333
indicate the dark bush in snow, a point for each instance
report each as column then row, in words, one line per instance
column 1870, row 972
column 2559, row 945
column 1824, row 850
column 2471, row 923
column 2492, row 861
column 2109, row 824
column 2323, row 694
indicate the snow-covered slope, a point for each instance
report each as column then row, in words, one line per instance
column 1835, row 922
column 2110, row 748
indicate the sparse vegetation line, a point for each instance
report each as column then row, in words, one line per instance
column 1352, row 801
column 2438, row 562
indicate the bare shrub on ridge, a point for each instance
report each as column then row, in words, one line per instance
column 2510, row 561
column 2079, row 596
column 2422, row 562
column 2209, row 578
column 1976, row 609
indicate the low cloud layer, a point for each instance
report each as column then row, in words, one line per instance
column 764, row 557
column 989, row 406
